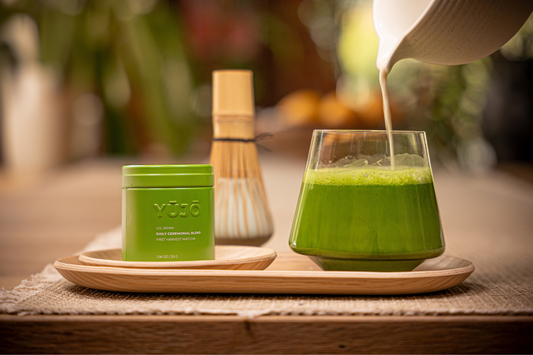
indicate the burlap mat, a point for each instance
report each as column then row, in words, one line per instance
column 501, row 285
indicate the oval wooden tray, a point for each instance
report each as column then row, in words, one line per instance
column 289, row 274
column 226, row 257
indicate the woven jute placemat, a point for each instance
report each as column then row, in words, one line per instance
column 501, row 285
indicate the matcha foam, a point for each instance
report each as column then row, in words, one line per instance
column 369, row 176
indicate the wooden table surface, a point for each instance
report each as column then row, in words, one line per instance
column 58, row 214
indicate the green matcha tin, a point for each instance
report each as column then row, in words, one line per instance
column 167, row 212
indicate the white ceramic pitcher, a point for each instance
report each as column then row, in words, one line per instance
column 448, row 32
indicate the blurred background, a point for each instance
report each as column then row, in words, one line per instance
column 82, row 79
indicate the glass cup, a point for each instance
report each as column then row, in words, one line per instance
column 360, row 210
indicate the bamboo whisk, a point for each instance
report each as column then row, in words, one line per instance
column 242, row 215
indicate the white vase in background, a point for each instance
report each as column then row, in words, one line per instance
column 32, row 123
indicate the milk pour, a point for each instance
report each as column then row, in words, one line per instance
column 386, row 112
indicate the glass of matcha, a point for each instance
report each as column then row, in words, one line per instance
column 362, row 208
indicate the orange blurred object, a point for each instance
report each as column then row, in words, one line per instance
column 332, row 113
column 300, row 107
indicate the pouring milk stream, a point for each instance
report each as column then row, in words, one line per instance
column 447, row 32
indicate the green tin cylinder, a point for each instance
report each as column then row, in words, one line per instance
column 167, row 212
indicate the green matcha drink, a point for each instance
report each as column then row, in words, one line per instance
column 368, row 218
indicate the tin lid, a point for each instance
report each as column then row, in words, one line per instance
column 186, row 175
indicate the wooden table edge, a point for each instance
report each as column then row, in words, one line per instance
column 265, row 334
column 268, row 318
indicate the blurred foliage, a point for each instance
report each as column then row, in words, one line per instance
column 127, row 52
column 449, row 107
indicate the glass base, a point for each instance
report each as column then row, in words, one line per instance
column 328, row 264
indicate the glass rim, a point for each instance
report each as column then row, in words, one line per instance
column 375, row 131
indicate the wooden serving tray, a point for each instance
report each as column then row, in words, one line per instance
column 290, row 273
